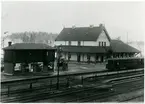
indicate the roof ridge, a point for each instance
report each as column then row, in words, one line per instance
column 28, row 46
column 79, row 34
column 81, row 27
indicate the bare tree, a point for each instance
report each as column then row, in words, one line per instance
column 34, row 37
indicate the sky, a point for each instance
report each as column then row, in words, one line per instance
column 119, row 18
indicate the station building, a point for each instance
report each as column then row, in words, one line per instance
column 27, row 56
column 93, row 44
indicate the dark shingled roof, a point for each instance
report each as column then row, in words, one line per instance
column 84, row 49
column 31, row 46
column 81, row 34
column 119, row 46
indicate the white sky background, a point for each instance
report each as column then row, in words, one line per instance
column 118, row 17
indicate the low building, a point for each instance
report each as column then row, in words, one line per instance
column 91, row 44
column 27, row 53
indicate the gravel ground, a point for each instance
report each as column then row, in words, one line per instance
column 125, row 96
column 86, row 67
column 137, row 100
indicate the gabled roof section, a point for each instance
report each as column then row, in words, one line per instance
column 29, row 46
column 81, row 34
column 119, row 46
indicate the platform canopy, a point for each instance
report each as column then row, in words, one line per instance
column 85, row 49
column 120, row 47
column 117, row 46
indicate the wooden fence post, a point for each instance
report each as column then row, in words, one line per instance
column 8, row 90
column 50, row 84
column 82, row 80
column 67, row 84
column 31, row 86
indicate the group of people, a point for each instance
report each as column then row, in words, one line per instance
column 32, row 67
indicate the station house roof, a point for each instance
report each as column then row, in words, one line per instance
column 91, row 34
column 29, row 46
column 81, row 33
column 119, row 46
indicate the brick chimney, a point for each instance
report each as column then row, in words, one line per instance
column 73, row 27
column 91, row 26
column 9, row 43
column 100, row 25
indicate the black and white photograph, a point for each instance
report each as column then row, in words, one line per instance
column 72, row 51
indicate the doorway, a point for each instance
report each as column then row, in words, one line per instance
column 78, row 57
column 102, row 58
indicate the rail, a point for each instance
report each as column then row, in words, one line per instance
column 121, row 78
column 71, row 74
column 34, row 80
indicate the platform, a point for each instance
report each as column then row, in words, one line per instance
column 73, row 68
column 5, row 78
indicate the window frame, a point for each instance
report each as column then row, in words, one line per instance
column 69, row 43
column 104, row 43
column 99, row 43
column 79, row 43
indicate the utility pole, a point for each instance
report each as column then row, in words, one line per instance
column 4, row 38
column 58, row 63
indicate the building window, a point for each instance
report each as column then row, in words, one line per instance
column 104, row 43
column 99, row 43
column 69, row 43
column 79, row 43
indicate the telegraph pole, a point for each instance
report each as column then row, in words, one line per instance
column 58, row 63
column 4, row 38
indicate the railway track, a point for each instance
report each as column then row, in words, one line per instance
column 85, row 96
column 45, row 94
column 125, row 88
column 63, row 84
column 129, row 99
column 102, row 95
column 41, row 88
